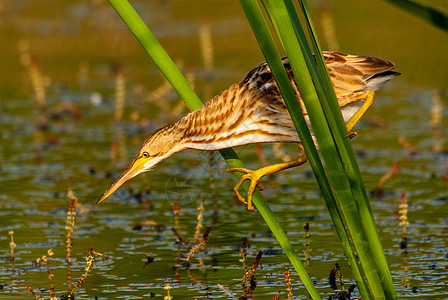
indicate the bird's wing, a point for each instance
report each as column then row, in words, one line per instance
column 348, row 73
column 352, row 73
column 261, row 80
column 261, row 75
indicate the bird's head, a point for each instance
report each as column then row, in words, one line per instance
column 160, row 145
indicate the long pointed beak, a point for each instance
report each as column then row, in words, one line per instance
column 134, row 169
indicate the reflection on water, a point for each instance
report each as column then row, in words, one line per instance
column 66, row 66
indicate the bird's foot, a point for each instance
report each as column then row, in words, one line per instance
column 352, row 134
column 254, row 177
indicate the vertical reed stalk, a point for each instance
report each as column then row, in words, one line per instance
column 307, row 250
column 120, row 93
column 69, row 225
column 200, row 218
column 167, row 288
column 331, row 135
column 205, row 38
column 38, row 82
column 288, row 283
column 12, row 245
column 403, row 213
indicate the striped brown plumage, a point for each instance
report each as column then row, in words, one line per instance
column 253, row 111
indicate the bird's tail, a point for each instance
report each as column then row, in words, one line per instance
column 378, row 80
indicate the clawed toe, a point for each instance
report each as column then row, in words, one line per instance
column 254, row 179
column 255, row 176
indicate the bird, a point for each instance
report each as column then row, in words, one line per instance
column 253, row 111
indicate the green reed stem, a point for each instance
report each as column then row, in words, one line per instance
column 363, row 215
column 329, row 92
column 331, row 134
column 294, row 42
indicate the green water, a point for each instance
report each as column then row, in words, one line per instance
column 81, row 45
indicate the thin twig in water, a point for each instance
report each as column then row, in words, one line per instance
column 52, row 292
column 180, row 240
column 12, row 245
column 225, row 290
column 30, row 289
column 243, row 253
column 120, row 93
column 407, row 145
column 167, row 288
column 307, row 248
column 436, row 121
column 205, row 38
column 69, row 225
column 99, row 254
column 403, row 213
column 199, row 218
column 250, row 275
column 280, row 152
column 288, row 282
column 198, row 247
column 89, row 259
column 44, row 258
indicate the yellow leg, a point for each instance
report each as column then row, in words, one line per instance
column 255, row 176
column 369, row 99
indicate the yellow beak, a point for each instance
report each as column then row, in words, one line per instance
column 134, row 169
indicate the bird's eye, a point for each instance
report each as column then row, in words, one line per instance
column 145, row 154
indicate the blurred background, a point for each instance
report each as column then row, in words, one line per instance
column 78, row 96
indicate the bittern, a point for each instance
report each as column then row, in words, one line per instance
column 253, row 111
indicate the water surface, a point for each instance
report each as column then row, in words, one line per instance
column 81, row 49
